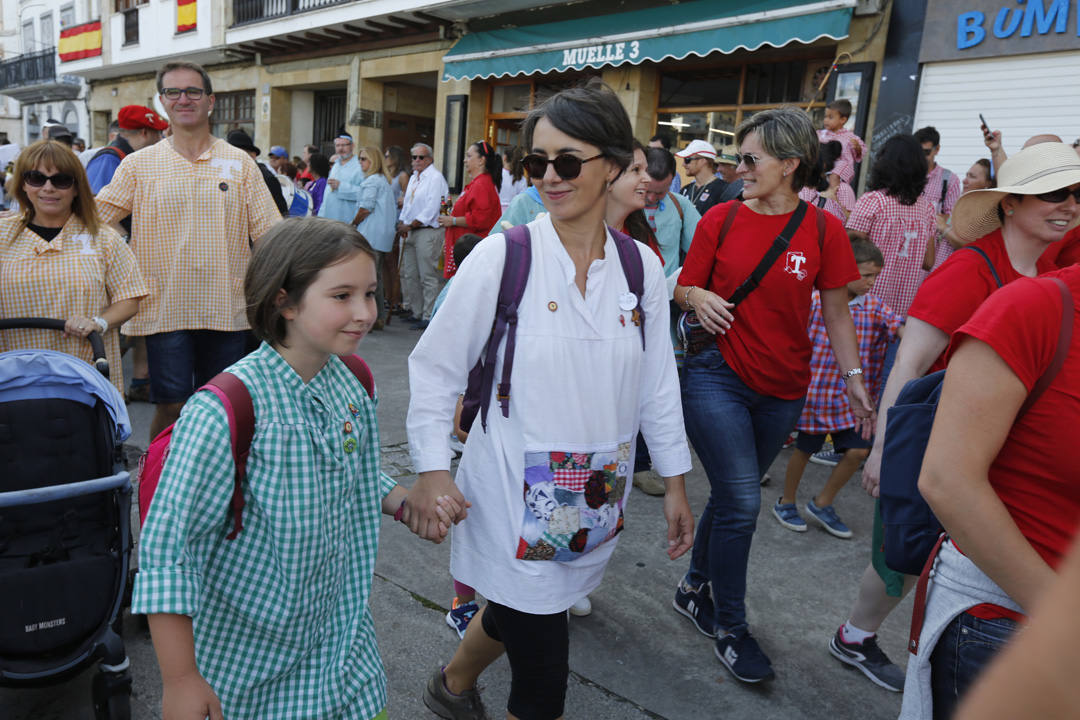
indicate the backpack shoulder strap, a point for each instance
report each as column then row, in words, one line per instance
column 675, row 201
column 776, row 249
column 1064, row 343
column 634, row 270
column 360, row 369
column 820, row 229
column 989, row 263
column 235, row 397
column 515, row 275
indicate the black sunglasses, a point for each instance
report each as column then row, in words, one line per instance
column 1057, row 196
column 60, row 181
column 419, row 157
column 750, row 161
column 927, row 151
column 567, row 167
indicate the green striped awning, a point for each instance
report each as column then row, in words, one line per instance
column 697, row 28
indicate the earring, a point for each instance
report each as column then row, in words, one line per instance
column 1009, row 213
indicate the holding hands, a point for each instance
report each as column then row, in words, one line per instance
column 433, row 504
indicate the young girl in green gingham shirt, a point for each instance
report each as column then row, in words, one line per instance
column 276, row 623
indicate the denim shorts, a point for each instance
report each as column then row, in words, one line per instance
column 184, row 360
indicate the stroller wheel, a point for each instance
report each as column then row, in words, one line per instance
column 112, row 696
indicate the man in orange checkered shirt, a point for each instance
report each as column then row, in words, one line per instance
column 197, row 204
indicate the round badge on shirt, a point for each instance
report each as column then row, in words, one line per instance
column 627, row 301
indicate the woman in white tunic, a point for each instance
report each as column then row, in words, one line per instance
column 548, row 484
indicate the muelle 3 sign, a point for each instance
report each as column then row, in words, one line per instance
column 600, row 54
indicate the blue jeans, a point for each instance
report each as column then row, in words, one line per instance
column 965, row 647
column 736, row 433
column 182, row 361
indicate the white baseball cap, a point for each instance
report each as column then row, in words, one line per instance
column 698, row 147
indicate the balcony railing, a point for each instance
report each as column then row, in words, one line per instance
column 249, row 11
column 29, row 69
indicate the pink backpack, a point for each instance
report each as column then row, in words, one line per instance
column 235, row 397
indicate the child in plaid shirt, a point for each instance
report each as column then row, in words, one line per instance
column 276, row 624
column 826, row 410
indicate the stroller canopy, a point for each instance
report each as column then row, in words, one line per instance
column 36, row 374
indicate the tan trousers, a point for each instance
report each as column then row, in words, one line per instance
column 421, row 280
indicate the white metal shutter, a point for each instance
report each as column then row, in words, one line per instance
column 1021, row 96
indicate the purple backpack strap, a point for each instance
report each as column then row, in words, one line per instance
column 511, row 289
column 634, row 270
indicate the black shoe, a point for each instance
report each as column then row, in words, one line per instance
column 740, row 653
column 869, row 659
column 696, row 604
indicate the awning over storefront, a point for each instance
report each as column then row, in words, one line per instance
column 672, row 31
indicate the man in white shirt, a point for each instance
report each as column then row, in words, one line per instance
column 421, row 279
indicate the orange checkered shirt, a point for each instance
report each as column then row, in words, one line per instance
column 192, row 225
column 75, row 274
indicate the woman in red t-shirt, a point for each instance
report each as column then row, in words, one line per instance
column 1014, row 231
column 477, row 208
column 1004, row 483
column 743, row 394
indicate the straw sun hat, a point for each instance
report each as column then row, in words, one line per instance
column 1034, row 170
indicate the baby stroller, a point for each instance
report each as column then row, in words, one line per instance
column 65, row 503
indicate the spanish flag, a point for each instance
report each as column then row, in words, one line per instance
column 186, row 18
column 80, row 41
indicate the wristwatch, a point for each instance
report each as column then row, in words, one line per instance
column 101, row 322
column 852, row 373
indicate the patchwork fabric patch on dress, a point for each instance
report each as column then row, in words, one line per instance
column 573, row 502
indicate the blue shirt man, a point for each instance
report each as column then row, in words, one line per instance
column 343, row 185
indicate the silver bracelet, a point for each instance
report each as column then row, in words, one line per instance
column 852, row 373
column 102, row 323
column 686, row 297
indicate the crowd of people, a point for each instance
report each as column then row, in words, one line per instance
column 753, row 301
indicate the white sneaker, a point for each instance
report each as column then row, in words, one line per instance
column 582, row 607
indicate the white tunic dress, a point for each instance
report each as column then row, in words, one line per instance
column 548, row 484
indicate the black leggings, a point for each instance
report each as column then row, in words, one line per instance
column 538, row 648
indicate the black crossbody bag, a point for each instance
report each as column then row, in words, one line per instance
column 694, row 336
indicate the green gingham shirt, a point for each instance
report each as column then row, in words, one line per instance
column 281, row 619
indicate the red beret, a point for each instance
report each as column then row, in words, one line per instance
column 135, row 117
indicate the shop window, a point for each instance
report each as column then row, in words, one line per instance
column 719, row 86
column 233, row 111
column 708, row 103
column 511, row 98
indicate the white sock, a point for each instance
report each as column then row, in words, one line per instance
column 852, row 634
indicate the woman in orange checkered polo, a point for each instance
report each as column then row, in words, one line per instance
column 58, row 261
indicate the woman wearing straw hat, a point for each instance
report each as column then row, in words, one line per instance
column 1015, row 224
column 1000, row 469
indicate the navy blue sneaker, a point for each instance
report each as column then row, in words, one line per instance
column 740, row 653
column 696, row 604
column 829, row 519
column 460, row 615
column 827, row 458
